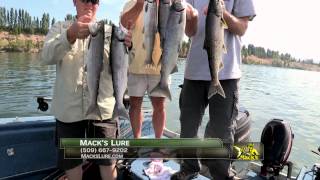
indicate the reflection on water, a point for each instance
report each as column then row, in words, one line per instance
column 267, row 92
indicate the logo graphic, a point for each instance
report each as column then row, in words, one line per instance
column 247, row 152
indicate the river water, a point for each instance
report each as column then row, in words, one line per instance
column 267, row 92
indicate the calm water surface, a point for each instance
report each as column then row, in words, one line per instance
column 267, row 92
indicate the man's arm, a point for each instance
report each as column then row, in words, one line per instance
column 60, row 39
column 132, row 15
column 236, row 25
column 192, row 20
column 56, row 45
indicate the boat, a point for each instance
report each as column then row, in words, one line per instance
column 28, row 151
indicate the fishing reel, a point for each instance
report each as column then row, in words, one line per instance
column 316, row 171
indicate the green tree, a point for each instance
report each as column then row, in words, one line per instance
column 19, row 21
column 53, row 21
column 68, row 17
column 47, row 23
column 244, row 52
column 5, row 17
column 37, row 25
column 23, row 20
column 8, row 19
column 44, row 24
column 28, row 24
column 15, row 19
column 251, row 49
column 2, row 17
column 11, row 19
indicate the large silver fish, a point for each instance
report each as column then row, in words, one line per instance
column 150, row 29
column 119, row 67
column 94, row 63
column 164, row 12
column 174, row 35
column 214, row 44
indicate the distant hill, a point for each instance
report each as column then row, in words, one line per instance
column 258, row 55
column 278, row 63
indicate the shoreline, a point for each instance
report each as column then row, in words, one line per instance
column 280, row 63
column 32, row 43
column 24, row 43
column 247, row 61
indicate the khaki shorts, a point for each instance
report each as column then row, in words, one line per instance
column 139, row 84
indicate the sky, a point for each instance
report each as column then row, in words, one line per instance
column 289, row 26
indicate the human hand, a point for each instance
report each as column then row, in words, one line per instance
column 78, row 30
column 190, row 11
column 205, row 9
column 140, row 1
column 128, row 36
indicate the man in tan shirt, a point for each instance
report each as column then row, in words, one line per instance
column 141, row 78
column 66, row 46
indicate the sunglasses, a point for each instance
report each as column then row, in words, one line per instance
column 92, row 1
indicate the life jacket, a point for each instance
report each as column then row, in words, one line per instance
column 277, row 139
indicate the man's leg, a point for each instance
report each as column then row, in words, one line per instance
column 192, row 102
column 108, row 172
column 137, row 86
column 74, row 173
column 104, row 129
column 158, row 103
column 72, row 167
column 159, row 115
column 136, row 116
column 223, row 113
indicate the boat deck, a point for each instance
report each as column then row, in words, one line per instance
column 245, row 170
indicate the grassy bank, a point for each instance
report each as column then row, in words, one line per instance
column 20, row 43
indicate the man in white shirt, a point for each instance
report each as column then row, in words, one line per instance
column 194, row 94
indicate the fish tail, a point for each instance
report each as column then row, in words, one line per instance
column 217, row 89
column 164, row 91
column 122, row 111
column 149, row 60
column 151, row 66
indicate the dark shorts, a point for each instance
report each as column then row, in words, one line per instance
column 84, row 129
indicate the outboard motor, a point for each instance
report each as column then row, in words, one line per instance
column 316, row 167
column 277, row 139
column 43, row 103
column 317, row 171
